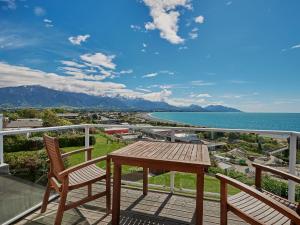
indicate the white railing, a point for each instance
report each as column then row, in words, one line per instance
column 286, row 134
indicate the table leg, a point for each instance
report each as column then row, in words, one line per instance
column 199, row 197
column 145, row 180
column 116, row 194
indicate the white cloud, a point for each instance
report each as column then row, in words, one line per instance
column 39, row 11
column 99, row 60
column 144, row 45
column 72, row 63
column 143, row 90
column 193, row 35
column 48, row 23
column 204, row 95
column 135, row 27
column 9, row 4
column 126, row 71
column 12, row 75
column 76, row 40
column 295, row 46
column 158, row 73
column 183, row 48
column 185, row 101
column 229, row 3
column 68, row 68
column 150, row 75
column 166, row 72
column 201, row 83
column 158, row 96
column 165, row 18
column 199, row 19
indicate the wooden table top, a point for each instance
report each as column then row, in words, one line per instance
column 194, row 154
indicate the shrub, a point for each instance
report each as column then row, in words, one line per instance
column 21, row 143
column 28, row 165
column 74, row 140
column 231, row 173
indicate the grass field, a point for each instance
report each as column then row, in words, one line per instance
column 182, row 180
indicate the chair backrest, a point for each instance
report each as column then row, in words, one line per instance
column 52, row 148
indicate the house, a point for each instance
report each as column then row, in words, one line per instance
column 220, row 158
column 186, row 137
column 116, row 130
column 25, row 123
column 224, row 166
column 71, row 116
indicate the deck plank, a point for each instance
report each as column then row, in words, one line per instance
column 155, row 208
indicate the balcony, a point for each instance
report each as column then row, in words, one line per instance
column 171, row 199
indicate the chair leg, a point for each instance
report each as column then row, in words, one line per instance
column 61, row 207
column 89, row 190
column 223, row 203
column 46, row 198
column 108, row 201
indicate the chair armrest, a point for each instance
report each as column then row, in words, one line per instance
column 67, row 154
column 262, row 197
column 81, row 165
column 284, row 175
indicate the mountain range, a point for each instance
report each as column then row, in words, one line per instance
column 42, row 97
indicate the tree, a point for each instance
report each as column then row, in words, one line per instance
column 50, row 119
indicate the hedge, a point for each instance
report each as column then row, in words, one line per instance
column 28, row 165
column 21, row 143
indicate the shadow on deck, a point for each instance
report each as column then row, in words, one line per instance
column 155, row 208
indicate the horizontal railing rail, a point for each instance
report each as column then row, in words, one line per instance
column 227, row 130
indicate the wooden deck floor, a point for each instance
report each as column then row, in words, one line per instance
column 136, row 209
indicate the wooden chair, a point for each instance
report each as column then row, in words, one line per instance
column 63, row 180
column 255, row 205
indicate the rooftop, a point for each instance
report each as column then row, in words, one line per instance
column 25, row 123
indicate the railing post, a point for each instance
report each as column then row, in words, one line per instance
column 86, row 140
column 292, row 165
column 172, row 173
column 1, row 141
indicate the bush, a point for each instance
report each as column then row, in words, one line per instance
column 21, row 143
column 28, row 165
column 279, row 187
column 231, row 173
column 74, row 140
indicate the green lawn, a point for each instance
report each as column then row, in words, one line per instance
column 182, row 180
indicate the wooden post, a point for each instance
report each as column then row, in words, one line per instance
column 145, row 180
column 223, row 203
column 199, row 197
column 116, row 194
column 258, row 178
column 292, row 166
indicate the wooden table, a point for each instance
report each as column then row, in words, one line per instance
column 191, row 158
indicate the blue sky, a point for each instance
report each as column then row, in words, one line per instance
column 239, row 53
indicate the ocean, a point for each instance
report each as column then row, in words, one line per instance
column 260, row 121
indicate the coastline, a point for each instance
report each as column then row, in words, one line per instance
column 147, row 116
